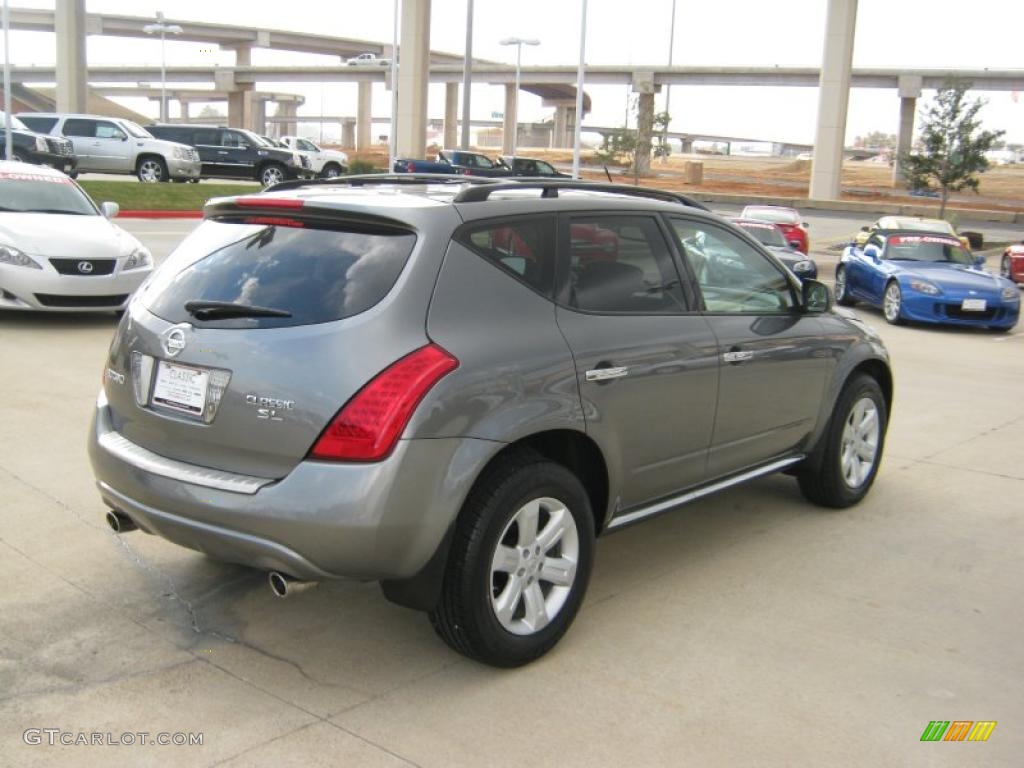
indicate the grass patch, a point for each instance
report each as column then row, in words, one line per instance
column 136, row 196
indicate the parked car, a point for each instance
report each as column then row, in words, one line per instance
column 27, row 146
column 326, row 163
column 452, row 389
column 909, row 224
column 234, row 153
column 528, row 166
column 367, row 60
column 455, row 161
column 58, row 250
column 773, row 238
column 113, row 145
column 926, row 278
column 1012, row 264
column 788, row 220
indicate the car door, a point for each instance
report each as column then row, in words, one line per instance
column 861, row 269
column 114, row 152
column 774, row 360
column 236, row 152
column 646, row 362
column 82, row 133
column 207, row 142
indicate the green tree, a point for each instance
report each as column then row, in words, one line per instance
column 617, row 146
column 952, row 147
column 876, row 140
column 661, row 121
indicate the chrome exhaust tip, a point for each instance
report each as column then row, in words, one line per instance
column 284, row 586
column 120, row 522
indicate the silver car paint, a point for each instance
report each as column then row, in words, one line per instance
column 517, row 376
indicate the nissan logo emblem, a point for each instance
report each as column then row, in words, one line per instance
column 174, row 340
column 85, row 267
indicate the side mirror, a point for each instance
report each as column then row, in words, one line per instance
column 816, row 297
column 805, row 225
column 979, row 261
column 865, row 228
column 872, row 252
column 110, row 210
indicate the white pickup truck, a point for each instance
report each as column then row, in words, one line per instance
column 326, row 163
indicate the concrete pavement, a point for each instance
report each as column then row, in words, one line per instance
column 748, row 628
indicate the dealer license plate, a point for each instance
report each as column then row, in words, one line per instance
column 973, row 305
column 181, row 387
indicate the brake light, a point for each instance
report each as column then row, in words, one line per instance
column 273, row 221
column 368, row 426
column 290, row 203
column 410, row 167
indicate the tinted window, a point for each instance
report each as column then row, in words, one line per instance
column 39, row 124
column 733, row 276
column 308, row 146
column 543, row 169
column 207, row 136
column 766, row 234
column 172, row 133
column 522, row 247
column 77, row 127
column 621, row 264
column 318, row 275
column 232, row 139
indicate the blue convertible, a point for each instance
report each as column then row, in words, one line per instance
column 927, row 278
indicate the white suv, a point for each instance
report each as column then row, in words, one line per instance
column 326, row 163
column 114, row 145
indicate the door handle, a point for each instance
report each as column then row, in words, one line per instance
column 604, row 374
column 735, row 355
column 222, row 152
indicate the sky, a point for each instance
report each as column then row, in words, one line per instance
column 890, row 33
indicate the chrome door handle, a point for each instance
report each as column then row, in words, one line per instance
column 603, row 374
column 737, row 356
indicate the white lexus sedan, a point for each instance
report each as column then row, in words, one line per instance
column 58, row 251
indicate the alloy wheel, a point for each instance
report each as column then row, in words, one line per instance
column 150, row 171
column 534, row 566
column 272, row 175
column 892, row 303
column 840, row 284
column 859, row 444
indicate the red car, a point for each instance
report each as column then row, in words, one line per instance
column 1012, row 266
column 788, row 220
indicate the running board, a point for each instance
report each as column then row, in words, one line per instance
column 707, row 490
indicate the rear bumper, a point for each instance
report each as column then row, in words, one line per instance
column 323, row 520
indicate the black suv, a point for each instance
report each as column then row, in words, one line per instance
column 27, row 146
column 233, row 153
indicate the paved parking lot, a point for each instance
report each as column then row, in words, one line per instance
column 748, row 629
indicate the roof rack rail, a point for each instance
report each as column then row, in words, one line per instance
column 365, row 179
column 549, row 188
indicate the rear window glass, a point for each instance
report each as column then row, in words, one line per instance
column 39, row 124
column 317, row 275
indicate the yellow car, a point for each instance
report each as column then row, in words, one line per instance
column 905, row 223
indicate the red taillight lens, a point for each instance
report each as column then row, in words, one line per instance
column 289, row 203
column 369, row 425
column 273, row 221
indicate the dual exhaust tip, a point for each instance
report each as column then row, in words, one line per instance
column 280, row 584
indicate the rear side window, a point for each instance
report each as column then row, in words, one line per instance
column 78, row 127
column 318, row 275
column 525, row 248
column 208, row 137
column 621, row 264
column 39, row 124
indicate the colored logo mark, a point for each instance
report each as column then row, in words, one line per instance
column 958, row 730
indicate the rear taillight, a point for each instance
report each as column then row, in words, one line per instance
column 288, row 203
column 274, row 221
column 369, row 425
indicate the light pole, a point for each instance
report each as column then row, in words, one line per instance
column 163, row 29
column 518, row 42
column 8, row 149
column 393, row 132
column 579, row 94
column 668, row 88
column 467, row 75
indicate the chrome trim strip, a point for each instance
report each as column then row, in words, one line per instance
column 141, row 458
column 737, row 357
column 603, row 374
column 707, row 490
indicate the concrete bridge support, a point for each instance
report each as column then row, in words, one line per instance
column 644, row 87
column 289, row 110
column 833, row 99
column 348, row 133
column 413, row 77
column 509, row 128
column 364, row 115
column 69, row 24
column 909, row 92
column 451, row 115
column 240, row 103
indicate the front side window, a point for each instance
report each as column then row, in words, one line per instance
column 207, row 137
column 522, row 247
column 105, row 130
column 232, row 139
column 136, row 130
column 621, row 264
column 308, row 146
column 733, row 276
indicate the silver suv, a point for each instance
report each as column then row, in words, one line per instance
column 114, row 145
column 453, row 385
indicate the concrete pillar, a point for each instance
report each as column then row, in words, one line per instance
column 255, row 114
column 239, row 105
column 69, row 24
column 348, row 133
column 236, row 109
column 183, row 110
column 833, row 99
column 413, row 77
column 509, row 127
column 686, row 146
column 288, row 110
column 909, row 91
column 559, row 127
column 451, row 115
column 644, row 131
column 364, row 115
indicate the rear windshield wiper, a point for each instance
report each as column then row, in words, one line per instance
column 213, row 310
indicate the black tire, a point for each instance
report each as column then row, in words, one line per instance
column 821, row 477
column 150, row 169
column 271, row 174
column 331, row 171
column 464, row 617
column 1004, row 267
column 842, row 292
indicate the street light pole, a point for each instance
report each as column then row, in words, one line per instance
column 668, row 88
column 518, row 42
column 163, row 29
column 8, row 147
column 467, row 70
column 393, row 133
column 579, row 94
